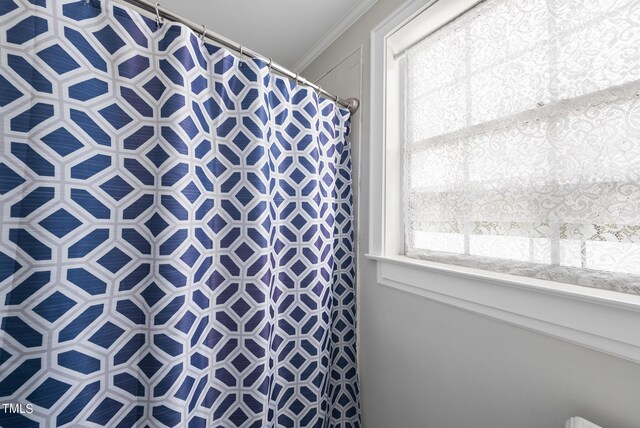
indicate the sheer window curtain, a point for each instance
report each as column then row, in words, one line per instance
column 176, row 236
column 522, row 141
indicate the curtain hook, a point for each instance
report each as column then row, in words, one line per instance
column 241, row 53
column 296, row 79
column 319, row 92
column 204, row 32
column 158, row 17
column 270, row 62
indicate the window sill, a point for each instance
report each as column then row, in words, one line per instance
column 602, row 320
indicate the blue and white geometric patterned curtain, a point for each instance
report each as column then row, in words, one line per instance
column 176, row 230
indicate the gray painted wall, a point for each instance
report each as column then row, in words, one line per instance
column 284, row 30
column 425, row 364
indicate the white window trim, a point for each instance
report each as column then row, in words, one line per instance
column 602, row 320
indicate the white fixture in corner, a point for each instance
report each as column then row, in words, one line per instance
column 577, row 422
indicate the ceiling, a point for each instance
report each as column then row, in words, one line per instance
column 285, row 30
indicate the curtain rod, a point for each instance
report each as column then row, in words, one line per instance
column 159, row 12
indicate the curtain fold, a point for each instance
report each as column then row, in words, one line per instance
column 176, row 238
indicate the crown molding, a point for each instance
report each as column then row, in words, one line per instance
column 336, row 31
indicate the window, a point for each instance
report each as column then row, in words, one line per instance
column 524, row 181
column 519, row 131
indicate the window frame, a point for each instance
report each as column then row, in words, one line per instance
column 598, row 319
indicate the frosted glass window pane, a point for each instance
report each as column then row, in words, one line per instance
column 437, row 112
column 521, row 113
column 598, row 45
column 509, row 87
column 443, row 51
column 443, row 171
column 541, row 250
column 570, row 253
column 504, row 29
column 434, row 241
column 503, row 247
column 614, row 256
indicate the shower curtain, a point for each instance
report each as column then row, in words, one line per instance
column 176, row 236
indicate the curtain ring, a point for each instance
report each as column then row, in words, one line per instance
column 241, row 53
column 319, row 91
column 204, row 32
column 337, row 100
column 158, row 17
column 270, row 62
column 297, row 79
